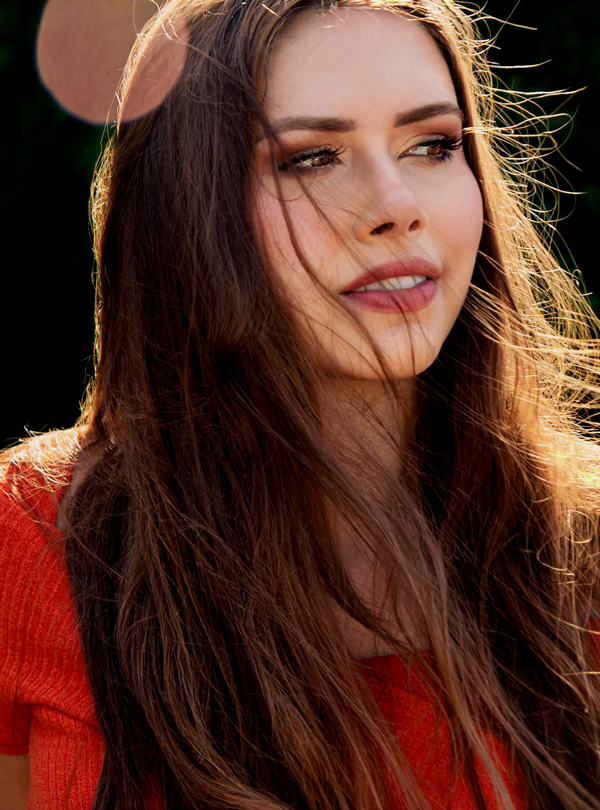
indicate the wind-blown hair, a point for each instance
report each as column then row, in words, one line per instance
column 200, row 542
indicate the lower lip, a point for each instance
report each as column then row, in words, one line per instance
column 411, row 300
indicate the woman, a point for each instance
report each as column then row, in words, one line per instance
column 326, row 536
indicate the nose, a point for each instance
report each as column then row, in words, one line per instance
column 390, row 206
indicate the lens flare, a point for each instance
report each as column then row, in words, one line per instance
column 83, row 47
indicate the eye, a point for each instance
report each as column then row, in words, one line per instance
column 311, row 159
column 438, row 149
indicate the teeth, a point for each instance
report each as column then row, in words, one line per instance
column 399, row 283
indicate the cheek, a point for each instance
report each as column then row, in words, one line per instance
column 311, row 235
column 270, row 226
column 457, row 217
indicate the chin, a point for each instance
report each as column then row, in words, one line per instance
column 405, row 355
column 397, row 368
column 411, row 361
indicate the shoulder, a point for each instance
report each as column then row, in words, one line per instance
column 33, row 478
column 40, row 655
column 35, row 474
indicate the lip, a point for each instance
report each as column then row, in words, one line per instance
column 395, row 301
column 393, row 269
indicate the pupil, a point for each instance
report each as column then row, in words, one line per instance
column 435, row 150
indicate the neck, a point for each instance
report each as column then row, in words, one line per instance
column 367, row 422
column 365, row 417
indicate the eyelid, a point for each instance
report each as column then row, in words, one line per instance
column 452, row 143
column 286, row 154
column 293, row 149
column 430, row 137
column 300, row 155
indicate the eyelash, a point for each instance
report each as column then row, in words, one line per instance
column 447, row 144
column 294, row 161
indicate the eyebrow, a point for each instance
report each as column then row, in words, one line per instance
column 316, row 124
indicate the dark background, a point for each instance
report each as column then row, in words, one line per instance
column 47, row 161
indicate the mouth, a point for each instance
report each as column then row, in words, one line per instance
column 399, row 286
column 394, row 283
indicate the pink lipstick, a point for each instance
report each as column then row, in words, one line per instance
column 407, row 285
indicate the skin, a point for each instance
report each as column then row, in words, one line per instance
column 14, row 782
column 384, row 195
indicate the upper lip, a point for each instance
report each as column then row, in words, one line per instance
column 393, row 269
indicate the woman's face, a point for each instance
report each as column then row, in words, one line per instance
column 366, row 111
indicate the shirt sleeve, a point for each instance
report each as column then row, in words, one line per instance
column 33, row 593
column 18, row 547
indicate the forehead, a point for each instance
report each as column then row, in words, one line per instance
column 355, row 62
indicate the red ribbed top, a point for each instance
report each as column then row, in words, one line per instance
column 46, row 707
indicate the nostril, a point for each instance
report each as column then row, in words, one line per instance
column 414, row 226
column 387, row 226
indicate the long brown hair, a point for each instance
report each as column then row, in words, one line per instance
column 199, row 543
